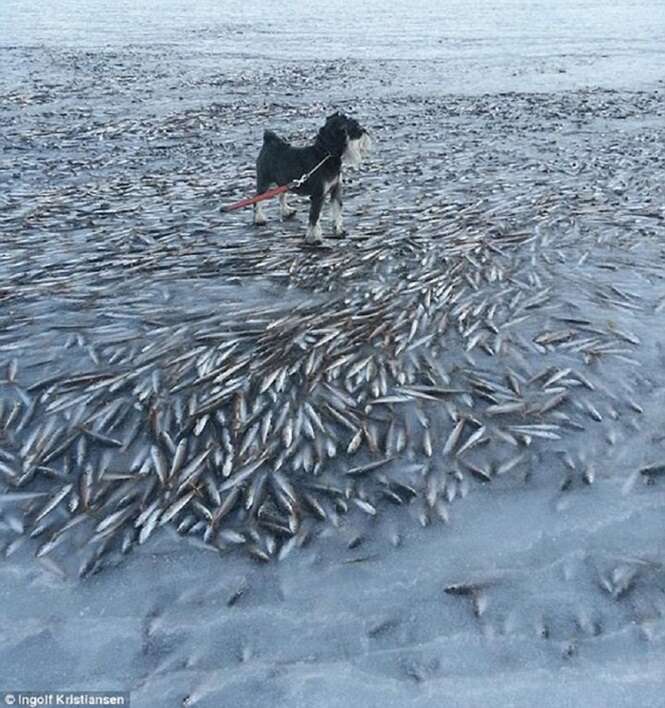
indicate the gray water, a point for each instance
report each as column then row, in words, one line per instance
column 465, row 46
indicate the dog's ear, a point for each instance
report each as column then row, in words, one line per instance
column 339, row 123
column 334, row 133
column 340, row 132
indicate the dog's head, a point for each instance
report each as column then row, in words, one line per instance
column 345, row 137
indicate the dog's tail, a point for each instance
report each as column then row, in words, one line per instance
column 270, row 137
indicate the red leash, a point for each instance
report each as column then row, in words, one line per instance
column 258, row 198
column 275, row 191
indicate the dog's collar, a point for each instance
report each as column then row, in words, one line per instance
column 324, row 147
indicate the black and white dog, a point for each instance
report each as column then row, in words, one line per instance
column 340, row 140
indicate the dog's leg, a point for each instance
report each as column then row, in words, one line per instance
column 314, row 227
column 259, row 215
column 286, row 211
column 336, row 209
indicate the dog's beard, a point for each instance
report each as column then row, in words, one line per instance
column 356, row 150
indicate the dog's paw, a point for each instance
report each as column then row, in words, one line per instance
column 340, row 233
column 314, row 235
column 288, row 213
column 260, row 221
